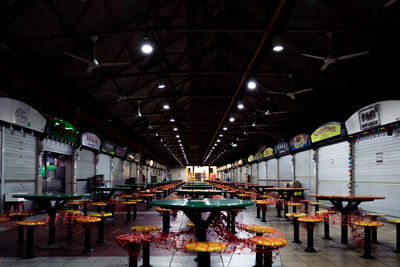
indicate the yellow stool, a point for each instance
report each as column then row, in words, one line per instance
column 310, row 223
column 325, row 216
column 374, row 230
column 397, row 222
column 367, row 224
column 148, row 198
column 88, row 223
column 99, row 205
column 295, row 217
column 259, row 229
column 316, row 206
column 29, row 236
column 129, row 204
column 102, row 216
column 146, row 244
column 294, row 206
column 265, row 245
column 203, row 250
column 19, row 216
column 70, row 215
column 165, row 213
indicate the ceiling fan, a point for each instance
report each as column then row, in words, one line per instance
column 268, row 113
column 330, row 59
column 255, row 125
column 93, row 63
column 292, row 94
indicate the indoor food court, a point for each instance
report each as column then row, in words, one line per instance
column 199, row 133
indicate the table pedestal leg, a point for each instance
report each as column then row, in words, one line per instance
column 367, row 243
column 258, row 212
column 344, row 229
column 296, row 230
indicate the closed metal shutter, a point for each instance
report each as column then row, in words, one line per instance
column 304, row 170
column 285, row 171
column 85, row 168
column 104, row 167
column 254, row 174
column 57, row 147
column 376, row 171
column 262, row 173
column 333, row 169
column 116, row 172
column 126, row 170
column 19, row 163
column 134, row 170
column 272, row 172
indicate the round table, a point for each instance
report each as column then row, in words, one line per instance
column 195, row 193
column 193, row 209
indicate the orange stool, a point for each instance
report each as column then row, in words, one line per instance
column 265, row 245
column 88, row 223
column 103, row 216
column 29, row 236
column 203, row 250
column 367, row 224
column 295, row 217
column 397, row 222
column 165, row 213
column 310, row 223
column 129, row 204
column 374, row 229
column 99, row 205
column 19, row 216
column 70, row 215
column 146, row 243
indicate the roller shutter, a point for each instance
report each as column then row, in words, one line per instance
column 57, row 147
column 254, row 173
column 272, row 173
column 85, row 168
column 19, row 162
column 333, row 169
column 116, row 172
column 285, row 172
column 262, row 173
column 304, row 170
column 126, row 170
column 134, row 170
column 376, row 171
column 104, row 167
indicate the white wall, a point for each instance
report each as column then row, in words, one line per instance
column 178, row 173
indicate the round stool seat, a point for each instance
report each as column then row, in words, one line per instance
column 99, row 203
column 101, row 214
column 190, row 224
column 147, row 195
column 296, row 214
column 316, row 203
column 18, row 215
column 264, row 196
column 126, row 196
column 131, row 202
column 311, row 219
column 293, row 204
column 163, row 210
column 394, row 220
column 205, row 246
column 259, row 229
column 368, row 223
column 376, row 215
column 145, row 228
column 87, row 219
column 4, row 219
column 266, row 241
column 174, row 197
column 74, row 203
column 31, row 223
column 70, row 212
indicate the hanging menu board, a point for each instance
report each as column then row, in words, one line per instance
column 300, row 141
column 90, row 140
column 108, row 147
column 328, row 131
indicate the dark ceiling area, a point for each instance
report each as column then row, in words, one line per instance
column 338, row 57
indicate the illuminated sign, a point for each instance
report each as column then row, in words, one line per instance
column 327, row 131
column 90, row 140
column 281, row 148
column 108, row 147
column 369, row 117
column 268, row 152
column 300, row 141
column 251, row 158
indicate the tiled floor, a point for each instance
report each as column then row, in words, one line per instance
column 329, row 252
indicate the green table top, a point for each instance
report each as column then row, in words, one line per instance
column 130, row 185
column 199, row 191
column 202, row 204
column 52, row 196
column 106, row 188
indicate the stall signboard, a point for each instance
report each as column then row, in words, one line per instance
column 21, row 114
column 108, row 147
column 250, row 158
column 268, row 152
column 90, row 140
column 259, row 155
column 240, row 162
column 130, row 156
column 327, row 131
column 281, row 148
column 121, row 151
column 300, row 141
column 373, row 116
column 61, row 129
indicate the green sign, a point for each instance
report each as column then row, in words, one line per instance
column 62, row 129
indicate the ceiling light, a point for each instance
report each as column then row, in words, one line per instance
column 147, row 45
column 172, row 120
column 177, row 136
column 277, row 45
column 175, row 129
column 179, row 141
column 231, row 119
column 225, row 128
column 251, row 85
column 218, row 140
column 240, row 105
column 166, row 106
column 161, row 85
column 221, row 135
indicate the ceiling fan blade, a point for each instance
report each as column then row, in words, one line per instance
column 116, row 95
column 262, row 111
column 326, row 64
column 89, row 69
column 278, row 112
column 312, row 56
column 76, row 57
column 110, row 64
column 352, row 55
column 389, row 3
column 303, row 91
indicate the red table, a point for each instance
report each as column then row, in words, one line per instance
column 352, row 205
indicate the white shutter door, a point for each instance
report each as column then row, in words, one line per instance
column 57, row 147
column 304, row 170
column 116, row 172
column 85, row 168
column 376, row 171
column 126, row 170
column 134, row 170
column 285, row 171
column 104, row 167
column 333, row 169
column 254, row 174
column 262, row 173
column 19, row 162
column 272, row 174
